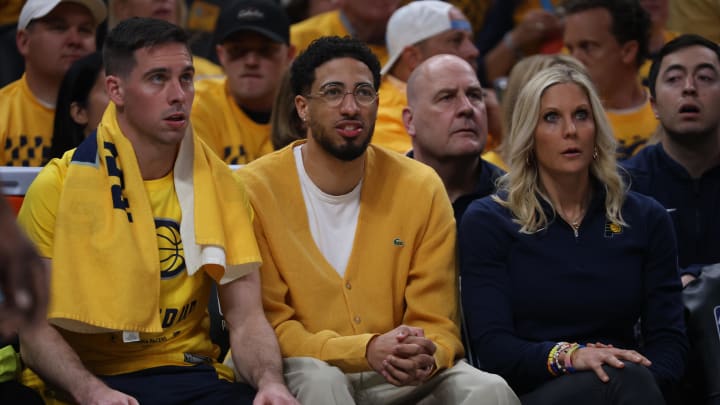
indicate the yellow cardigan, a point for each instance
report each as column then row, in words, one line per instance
column 402, row 269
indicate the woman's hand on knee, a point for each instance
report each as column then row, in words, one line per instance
column 593, row 358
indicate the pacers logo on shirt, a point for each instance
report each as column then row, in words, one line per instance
column 172, row 258
column 612, row 229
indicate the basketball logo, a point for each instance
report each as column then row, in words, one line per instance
column 172, row 258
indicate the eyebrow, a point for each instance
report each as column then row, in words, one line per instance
column 186, row 69
column 678, row 66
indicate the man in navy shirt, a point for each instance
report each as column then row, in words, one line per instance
column 447, row 120
column 682, row 172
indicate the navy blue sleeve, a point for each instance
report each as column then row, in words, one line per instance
column 663, row 324
column 485, row 240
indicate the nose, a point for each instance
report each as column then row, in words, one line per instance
column 570, row 128
column 74, row 37
column 177, row 92
column 252, row 58
column 466, row 108
column 348, row 104
column 689, row 87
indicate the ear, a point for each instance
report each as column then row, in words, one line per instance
column 291, row 52
column 78, row 114
column 408, row 122
column 629, row 52
column 653, row 104
column 301, row 105
column 22, row 41
column 412, row 57
column 114, row 89
column 222, row 56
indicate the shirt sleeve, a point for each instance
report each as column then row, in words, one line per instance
column 485, row 241
column 663, row 325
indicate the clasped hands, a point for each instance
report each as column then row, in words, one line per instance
column 403, row 356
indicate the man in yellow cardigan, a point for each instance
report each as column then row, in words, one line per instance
column 358, row 247
column 137, row 223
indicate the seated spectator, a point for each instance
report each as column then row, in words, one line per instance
column 356, row 327
column 682, row 172
column 447, row 123
column 559, row 266
column 232, row 114
column 52, row 34
column 365, row 20
column 148, row 203
column 416, row 32
column 81, row 103
column 610, row 37
column 172, row 11
column 521, row 73
column 285, row 123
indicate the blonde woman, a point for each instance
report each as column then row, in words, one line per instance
column 521, row 73
column 560, row 265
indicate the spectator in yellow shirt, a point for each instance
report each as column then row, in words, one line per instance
column 52, row 34
column 232, row 114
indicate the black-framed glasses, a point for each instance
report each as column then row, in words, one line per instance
column 334, row 94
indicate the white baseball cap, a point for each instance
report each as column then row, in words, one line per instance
column 415, row 22
column 34, row 9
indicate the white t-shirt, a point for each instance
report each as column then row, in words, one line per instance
column 332, row 218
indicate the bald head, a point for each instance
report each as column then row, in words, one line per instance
column 446, row 115
column 433, row 68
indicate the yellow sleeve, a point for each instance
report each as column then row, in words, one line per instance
column 37, row 215
column 431, row 294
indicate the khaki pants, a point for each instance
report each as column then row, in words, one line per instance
column 315, row 382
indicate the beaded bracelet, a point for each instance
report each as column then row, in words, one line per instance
column 568, row 357
column 553, row 363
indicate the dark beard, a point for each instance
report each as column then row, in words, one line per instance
column 347, row 151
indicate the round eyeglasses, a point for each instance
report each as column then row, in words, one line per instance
column 333, row 94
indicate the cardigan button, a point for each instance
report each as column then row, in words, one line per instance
column 348, row 285
column 356, row 319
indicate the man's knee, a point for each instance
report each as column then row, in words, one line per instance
column 306, row 373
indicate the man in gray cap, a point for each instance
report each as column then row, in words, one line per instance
column 52, row 34
column 232, row 114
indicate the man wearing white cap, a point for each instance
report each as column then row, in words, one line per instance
column 52, row 34
column 416, row 32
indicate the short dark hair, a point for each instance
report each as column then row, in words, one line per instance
column 629, row 21
column 325, row 49
column 681, row 42
column 137, row 33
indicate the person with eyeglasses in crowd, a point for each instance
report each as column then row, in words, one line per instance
column 358, row 246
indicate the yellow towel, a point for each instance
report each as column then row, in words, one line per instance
column 106, row 266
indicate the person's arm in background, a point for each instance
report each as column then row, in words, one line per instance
column 23, row 278
column 525, row 38
column 45, row 351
